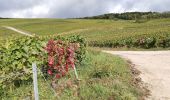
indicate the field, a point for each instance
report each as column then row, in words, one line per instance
column 102, row 33
column 102, row 76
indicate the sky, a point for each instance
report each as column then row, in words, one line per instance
column 76, row 8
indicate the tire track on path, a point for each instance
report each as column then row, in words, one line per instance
column 19, row 31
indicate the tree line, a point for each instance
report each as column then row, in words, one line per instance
column 131, row 15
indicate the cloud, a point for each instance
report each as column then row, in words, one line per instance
column 76, row 8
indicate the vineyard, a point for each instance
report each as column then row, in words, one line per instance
column 18, row 54
column 60, row 45
column 102, row 33
column 96, row 80
column 155, row 40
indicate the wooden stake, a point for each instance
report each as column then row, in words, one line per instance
column 34, row 69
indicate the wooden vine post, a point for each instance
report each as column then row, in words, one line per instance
column 35, row 82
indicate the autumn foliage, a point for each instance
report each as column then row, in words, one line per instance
column 61, row 57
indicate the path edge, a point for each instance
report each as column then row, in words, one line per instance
column 137, row 81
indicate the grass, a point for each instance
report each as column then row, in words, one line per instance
column 103, row 77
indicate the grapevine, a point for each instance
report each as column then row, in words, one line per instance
column 61, row 57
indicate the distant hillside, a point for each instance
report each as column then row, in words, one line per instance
column 131, row 15
column 4, row 18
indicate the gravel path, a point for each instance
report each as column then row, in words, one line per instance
column 155, row 70
column 18, row 30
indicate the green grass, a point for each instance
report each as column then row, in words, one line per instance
column 102, row 76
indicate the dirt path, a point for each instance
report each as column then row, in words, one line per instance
column 155, row 70
column 18, row 30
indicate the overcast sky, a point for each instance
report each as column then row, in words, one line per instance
column 76, row 8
